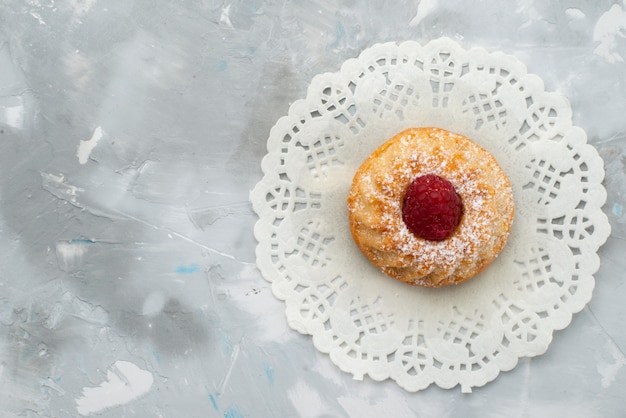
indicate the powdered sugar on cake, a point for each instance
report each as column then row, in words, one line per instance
column 376, row 200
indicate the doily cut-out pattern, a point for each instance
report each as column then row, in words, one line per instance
column 461, row 335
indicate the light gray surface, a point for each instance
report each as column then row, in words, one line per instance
column 136, row 244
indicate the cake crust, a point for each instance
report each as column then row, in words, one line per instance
column 377, row 193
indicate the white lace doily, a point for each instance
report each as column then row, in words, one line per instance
column 459, row 335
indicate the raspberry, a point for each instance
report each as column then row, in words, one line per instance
column 432, row 208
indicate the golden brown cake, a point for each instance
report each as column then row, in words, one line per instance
column 377, row 197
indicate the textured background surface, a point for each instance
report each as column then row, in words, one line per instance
column 131, row 133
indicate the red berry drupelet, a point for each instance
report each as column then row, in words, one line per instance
column 432, row 209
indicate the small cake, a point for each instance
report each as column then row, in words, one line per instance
column 430, row 207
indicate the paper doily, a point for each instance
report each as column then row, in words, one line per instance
column 373, row 325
